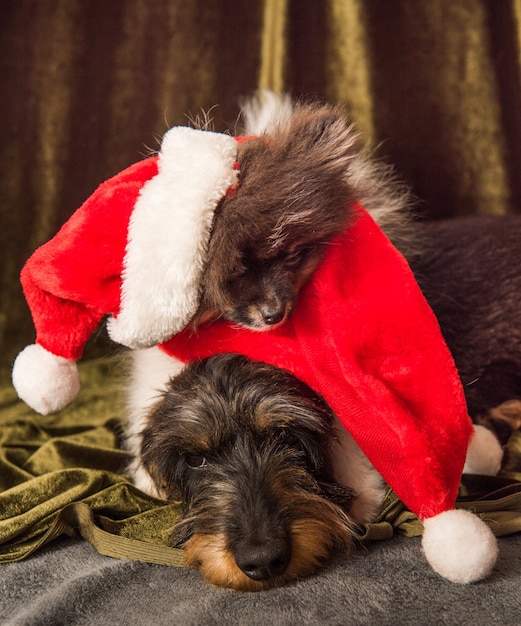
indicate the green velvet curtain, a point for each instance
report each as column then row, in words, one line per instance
column 88, row 86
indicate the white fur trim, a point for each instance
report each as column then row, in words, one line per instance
column 168, row 235
column 484, row 454
column 44, row 381
column 459, row 546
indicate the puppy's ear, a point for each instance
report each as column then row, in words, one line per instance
column 323, row 125
column 296, row 177
column 320, row 132
column 283, row 121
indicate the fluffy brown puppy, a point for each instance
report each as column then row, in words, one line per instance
column 298, row 180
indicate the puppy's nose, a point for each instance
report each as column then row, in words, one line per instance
column 264, row 561
column 272, row 313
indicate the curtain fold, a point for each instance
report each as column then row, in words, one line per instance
column 436, row 95
column 90, row 86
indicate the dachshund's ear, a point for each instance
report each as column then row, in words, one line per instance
column 160, row 461
column 181, row 533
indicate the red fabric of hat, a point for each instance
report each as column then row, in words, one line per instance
column 363, row 336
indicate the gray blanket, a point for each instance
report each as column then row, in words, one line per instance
column 383, row 584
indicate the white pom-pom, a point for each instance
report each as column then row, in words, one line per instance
column 459, row 546
column 484, row 454
column 44, row 381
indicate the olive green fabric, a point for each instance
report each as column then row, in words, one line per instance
column 64, row 475
column 55, row 472
column 497, row 500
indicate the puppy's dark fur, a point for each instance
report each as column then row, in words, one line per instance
column 470, row 272
column 296, row 186
column 245, row 446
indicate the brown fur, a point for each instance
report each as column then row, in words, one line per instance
column 297, row 184
column 298, row 180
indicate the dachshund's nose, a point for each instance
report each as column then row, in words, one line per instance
column 264, row 561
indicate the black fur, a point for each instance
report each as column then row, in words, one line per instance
column 470, row 272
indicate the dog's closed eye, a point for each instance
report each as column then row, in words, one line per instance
column 196, row 461
column 298, row 255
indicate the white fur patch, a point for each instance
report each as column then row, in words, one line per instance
column 484, row 454
column 150, row 372
column 266, row 112
column 168, row 234
column 353, row 469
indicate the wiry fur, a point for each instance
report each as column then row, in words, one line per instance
column 246, row 447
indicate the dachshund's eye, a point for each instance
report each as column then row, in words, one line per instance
column 196, row 461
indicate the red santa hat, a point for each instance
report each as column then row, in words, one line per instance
column 362, row 334
column 133, row 251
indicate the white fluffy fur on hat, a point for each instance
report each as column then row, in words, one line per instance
column 459, row 546
column 168, row 234
column 457, row 543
